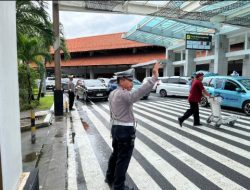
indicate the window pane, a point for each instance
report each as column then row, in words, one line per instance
column 173, row 80
column 230, row 86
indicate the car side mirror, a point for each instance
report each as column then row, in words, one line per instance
column 239, row 90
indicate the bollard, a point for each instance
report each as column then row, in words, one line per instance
column 33, row 126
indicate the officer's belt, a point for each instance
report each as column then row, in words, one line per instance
column 115, row 122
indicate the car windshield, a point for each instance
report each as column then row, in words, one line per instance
column 245, row 83
column 136, row 82
column 92, row 83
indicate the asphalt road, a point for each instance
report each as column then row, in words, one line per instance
column 167, row 156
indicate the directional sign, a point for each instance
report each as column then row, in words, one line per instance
column 198, row 42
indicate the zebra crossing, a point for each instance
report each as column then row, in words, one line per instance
column 165, row 155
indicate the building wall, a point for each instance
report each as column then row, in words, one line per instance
column 10, row 138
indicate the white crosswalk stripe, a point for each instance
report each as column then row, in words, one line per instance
column 228, row 162
column 224, row 145
column 179, row 112
column 182, row 104
column 206, row 112
column 92, row 174
column 190, row 161
column 187, row 145
column 243, row 118
column 135, row 170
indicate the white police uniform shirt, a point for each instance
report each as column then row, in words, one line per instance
column 121, row 103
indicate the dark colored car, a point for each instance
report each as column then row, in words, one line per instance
column 136, row 85
column 91, row 89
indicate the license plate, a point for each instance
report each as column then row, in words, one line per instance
column 100, row 94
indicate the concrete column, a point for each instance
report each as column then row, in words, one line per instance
column 91, row 73
column 147, row 72
column 10, row 136
column 246, row 60
column 189, row 66
column 246, row 66
column 168, row 68
column 220, row 60
column 211, row 67
column 181, row 70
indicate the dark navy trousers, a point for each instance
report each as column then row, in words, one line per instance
column 123, row 145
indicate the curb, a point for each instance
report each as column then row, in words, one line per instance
column 46, row 122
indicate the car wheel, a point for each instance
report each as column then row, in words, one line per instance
column 163, row 93
column 246, row 108
column 204, row 102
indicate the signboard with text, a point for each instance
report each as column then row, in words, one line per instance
column 198, row 42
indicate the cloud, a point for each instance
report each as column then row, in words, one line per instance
column 78, row 24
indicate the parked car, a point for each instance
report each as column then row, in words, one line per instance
column 136, row 85
column 105, row 81
column 234, row 90
column 112, row 85
column 160, row 80
column 90, row 89
column 176, row 85
column 50, row 83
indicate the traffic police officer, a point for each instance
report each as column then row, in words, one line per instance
column 123, row 124
column 71, row 88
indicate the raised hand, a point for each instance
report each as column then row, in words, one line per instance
column 155, row 70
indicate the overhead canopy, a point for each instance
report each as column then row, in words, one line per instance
column 227, row 12
column 167, row 22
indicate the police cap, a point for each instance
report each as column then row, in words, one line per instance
column 128, row 74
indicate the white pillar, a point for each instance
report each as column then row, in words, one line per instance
column 246, row 66
column 91, row 73
column 10, row 138
column 220, row 60
column 147, row 72
column 211, row 67
column 168, row 69
column 246, row 60
column 181, row 70
column 189, row 67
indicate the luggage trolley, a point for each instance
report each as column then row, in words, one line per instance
column 216, row 117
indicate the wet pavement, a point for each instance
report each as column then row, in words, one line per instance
column 165, row 155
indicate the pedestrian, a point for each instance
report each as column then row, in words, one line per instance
column 123, row 124
column 195, row 95
column 71, row 91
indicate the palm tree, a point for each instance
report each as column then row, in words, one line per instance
column 31, row 51
column 33, row 21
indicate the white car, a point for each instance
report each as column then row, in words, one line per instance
column 50, row 83
column 175, row 86
column 160, row 81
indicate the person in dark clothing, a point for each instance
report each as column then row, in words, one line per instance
column 195, row 95
column 71, row 88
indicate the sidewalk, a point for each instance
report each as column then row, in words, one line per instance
column 48, row 154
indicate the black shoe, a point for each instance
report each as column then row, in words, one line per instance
column 198, row 125
column 108, row 182
column 128, row 188
column 72, row 109
column 180, row 122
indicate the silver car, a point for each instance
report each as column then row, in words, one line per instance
column 175, row 86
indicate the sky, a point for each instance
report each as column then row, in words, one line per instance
column 78, row 24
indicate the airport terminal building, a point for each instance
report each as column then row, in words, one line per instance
column 101, row 56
